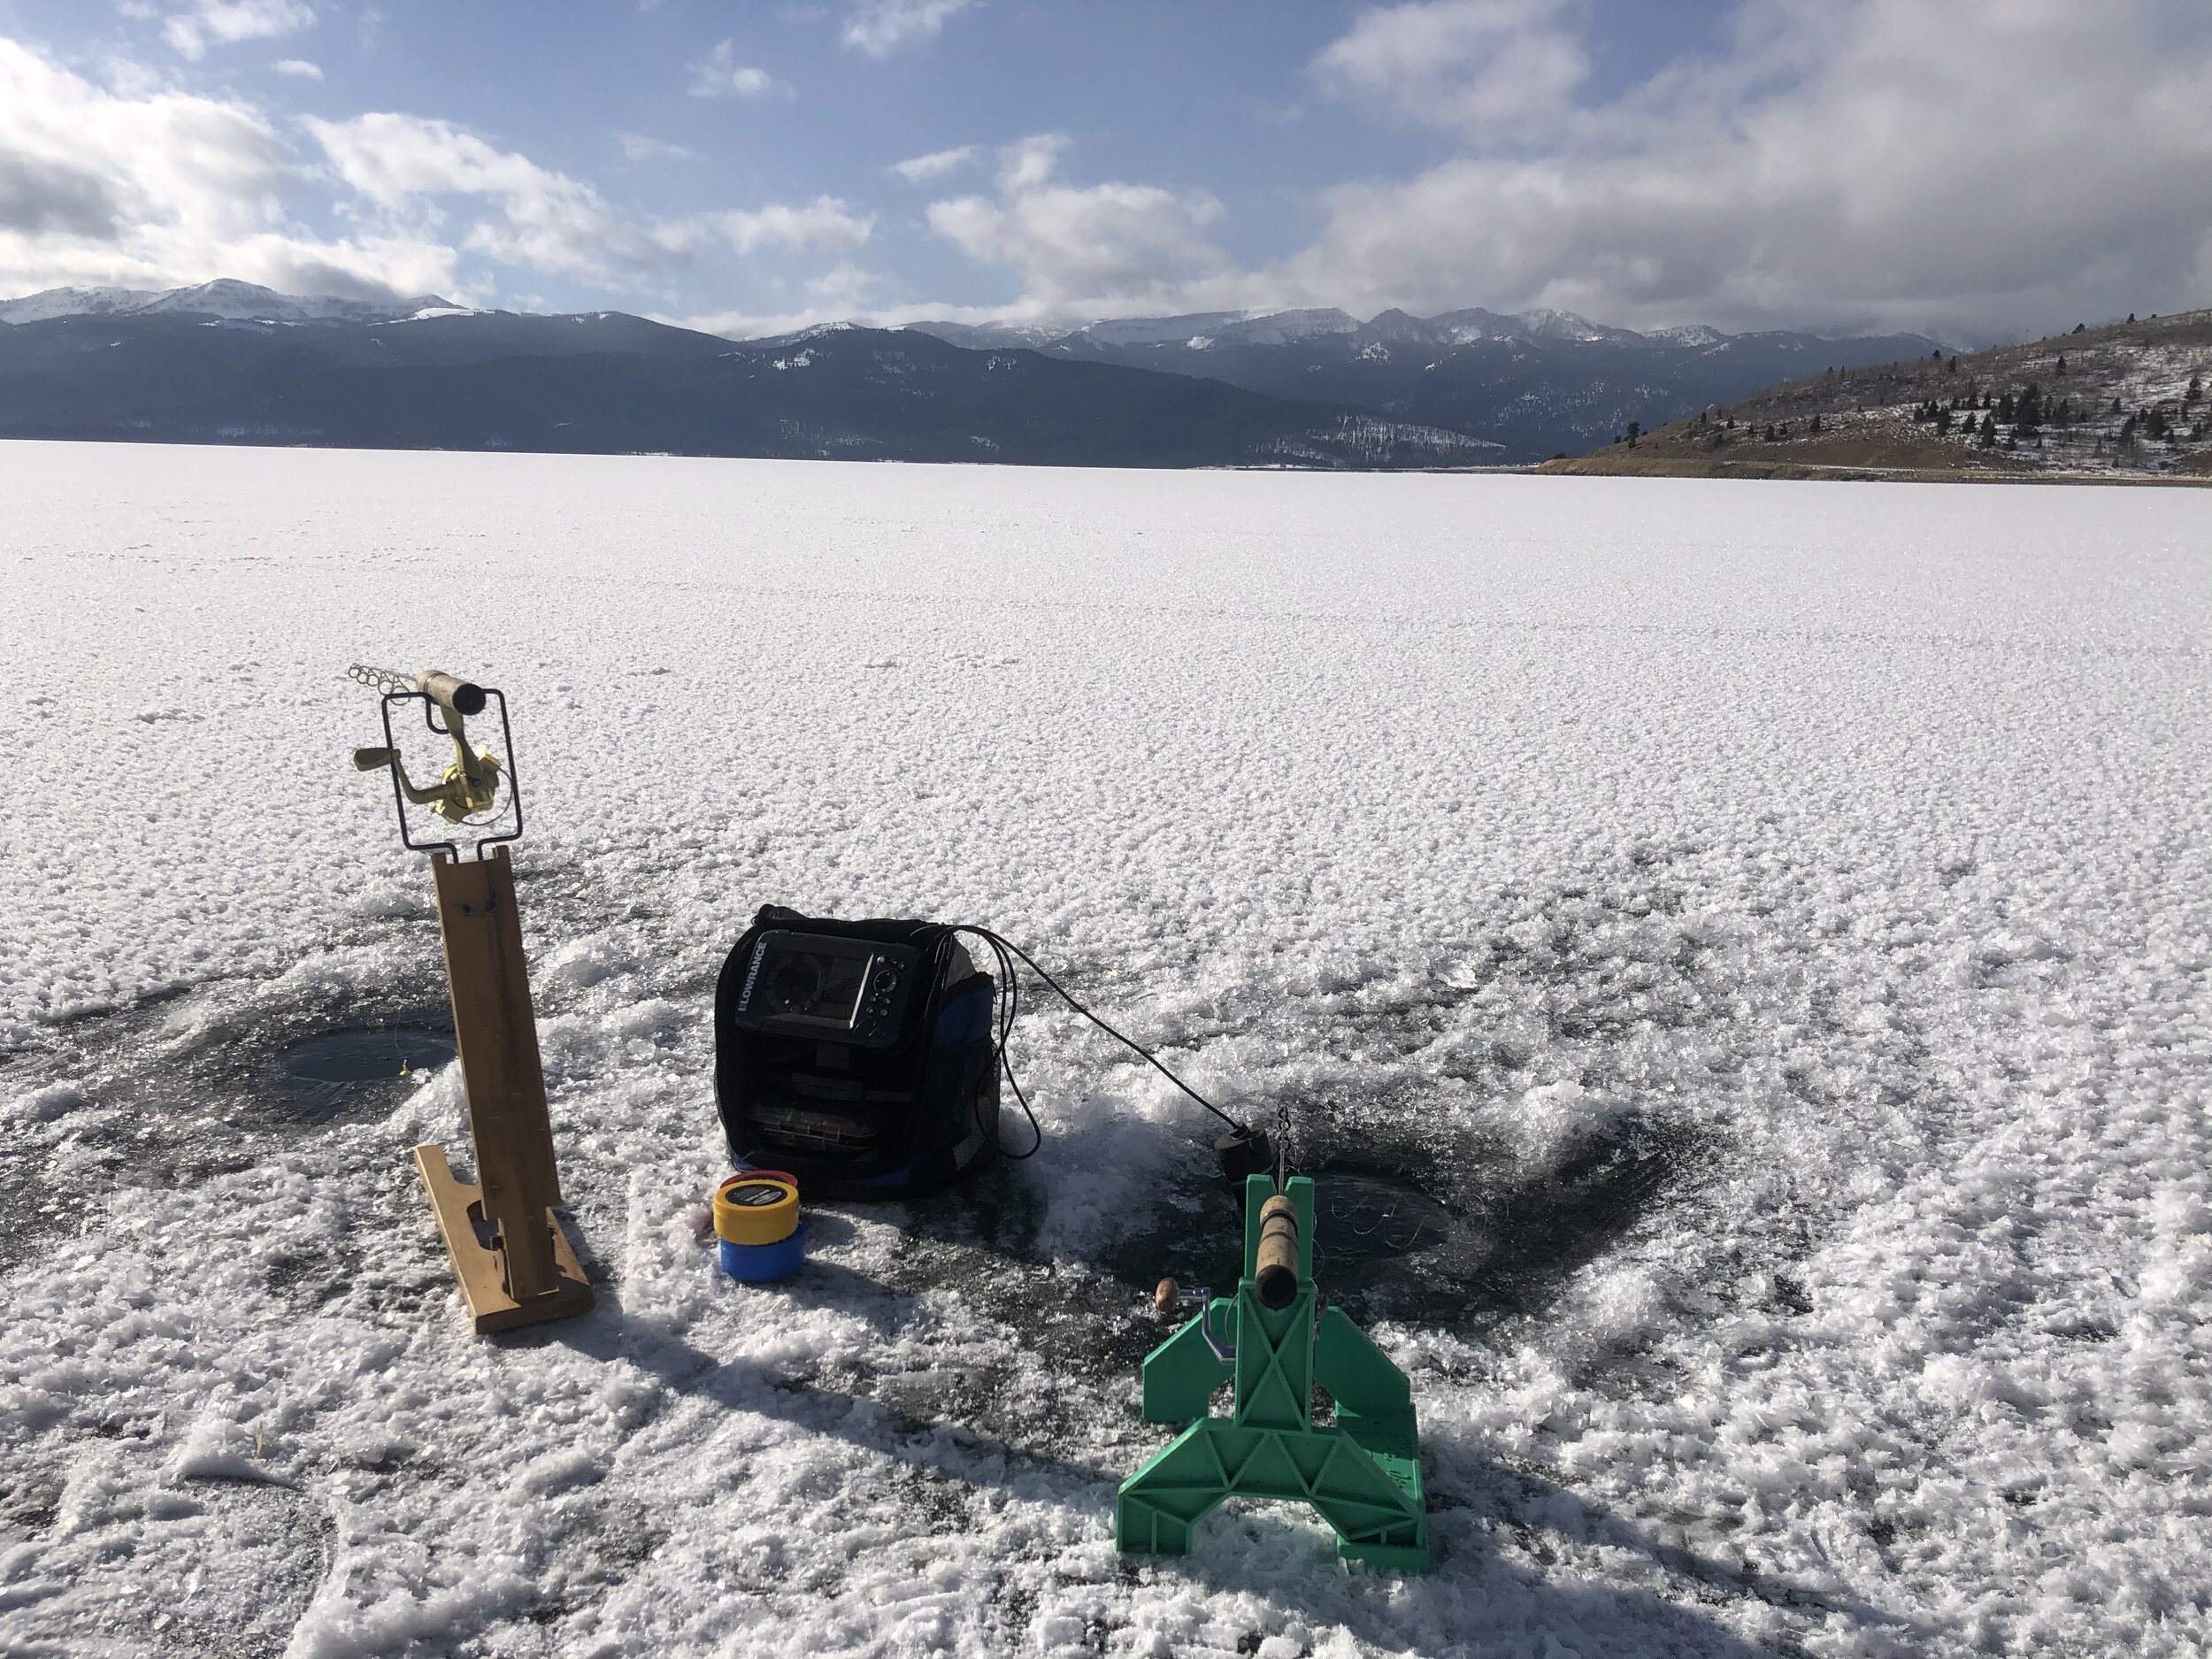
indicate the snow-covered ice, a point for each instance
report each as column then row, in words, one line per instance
column 1771, row 921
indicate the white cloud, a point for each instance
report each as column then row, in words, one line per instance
column 1482, row 65
column 540, row 218
column 1113, row 245
column 1981, row 165
column 936, row 164
column 157, row 189
column 844, row 288
column 152, row 188
column 719, row 75
column 882, row 27
column 825, row 222
column 638, row 147
column 227, row 22
column 298, row 68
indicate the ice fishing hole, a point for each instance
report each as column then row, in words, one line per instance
column 326, row 1075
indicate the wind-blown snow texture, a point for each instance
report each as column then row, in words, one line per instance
column 1772, row 920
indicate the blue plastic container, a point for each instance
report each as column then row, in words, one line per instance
column 764, row 1263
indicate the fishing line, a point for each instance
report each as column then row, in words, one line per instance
column 1006, row 952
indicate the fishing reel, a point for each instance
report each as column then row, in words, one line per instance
column 467, row 792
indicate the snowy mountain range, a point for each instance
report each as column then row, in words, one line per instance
column 1536, row 382
column 1467, row 386
column 1205, row 331
column 441, row 377
column 224, row 299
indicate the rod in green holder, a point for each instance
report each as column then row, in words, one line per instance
column 1363, row 1474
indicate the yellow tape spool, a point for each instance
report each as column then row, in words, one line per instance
column 758, row 1207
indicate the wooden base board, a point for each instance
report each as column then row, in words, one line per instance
column 480, row 1270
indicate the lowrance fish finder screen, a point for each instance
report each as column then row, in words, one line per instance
column 800, row 984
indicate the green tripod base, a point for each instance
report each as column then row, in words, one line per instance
column 1363, row 1474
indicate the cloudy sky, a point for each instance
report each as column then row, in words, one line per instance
column 1981, row 167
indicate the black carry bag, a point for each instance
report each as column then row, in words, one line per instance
column 859, row 1057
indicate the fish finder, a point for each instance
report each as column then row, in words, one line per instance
column 831, row 989
column 858, row 1056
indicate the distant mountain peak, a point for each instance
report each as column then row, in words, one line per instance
column 988, row 336
column 1688, row 335
column 1155, row 331
column 1269, row 328
column 818, row 331
column 1551, row 325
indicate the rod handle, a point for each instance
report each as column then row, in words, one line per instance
column 1275, row 1267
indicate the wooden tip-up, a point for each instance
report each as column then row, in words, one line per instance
column 515, row 1265
column 481, row 1269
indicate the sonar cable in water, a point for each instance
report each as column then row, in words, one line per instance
column 1247, row 1141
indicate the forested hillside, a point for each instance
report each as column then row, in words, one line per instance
column 2123, row 401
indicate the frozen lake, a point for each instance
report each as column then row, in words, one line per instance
column 1768, row 923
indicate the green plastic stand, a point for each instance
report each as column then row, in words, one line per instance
column 1363, row 1474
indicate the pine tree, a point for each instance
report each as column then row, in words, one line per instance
column 2062, row 363
column 1989, row 434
